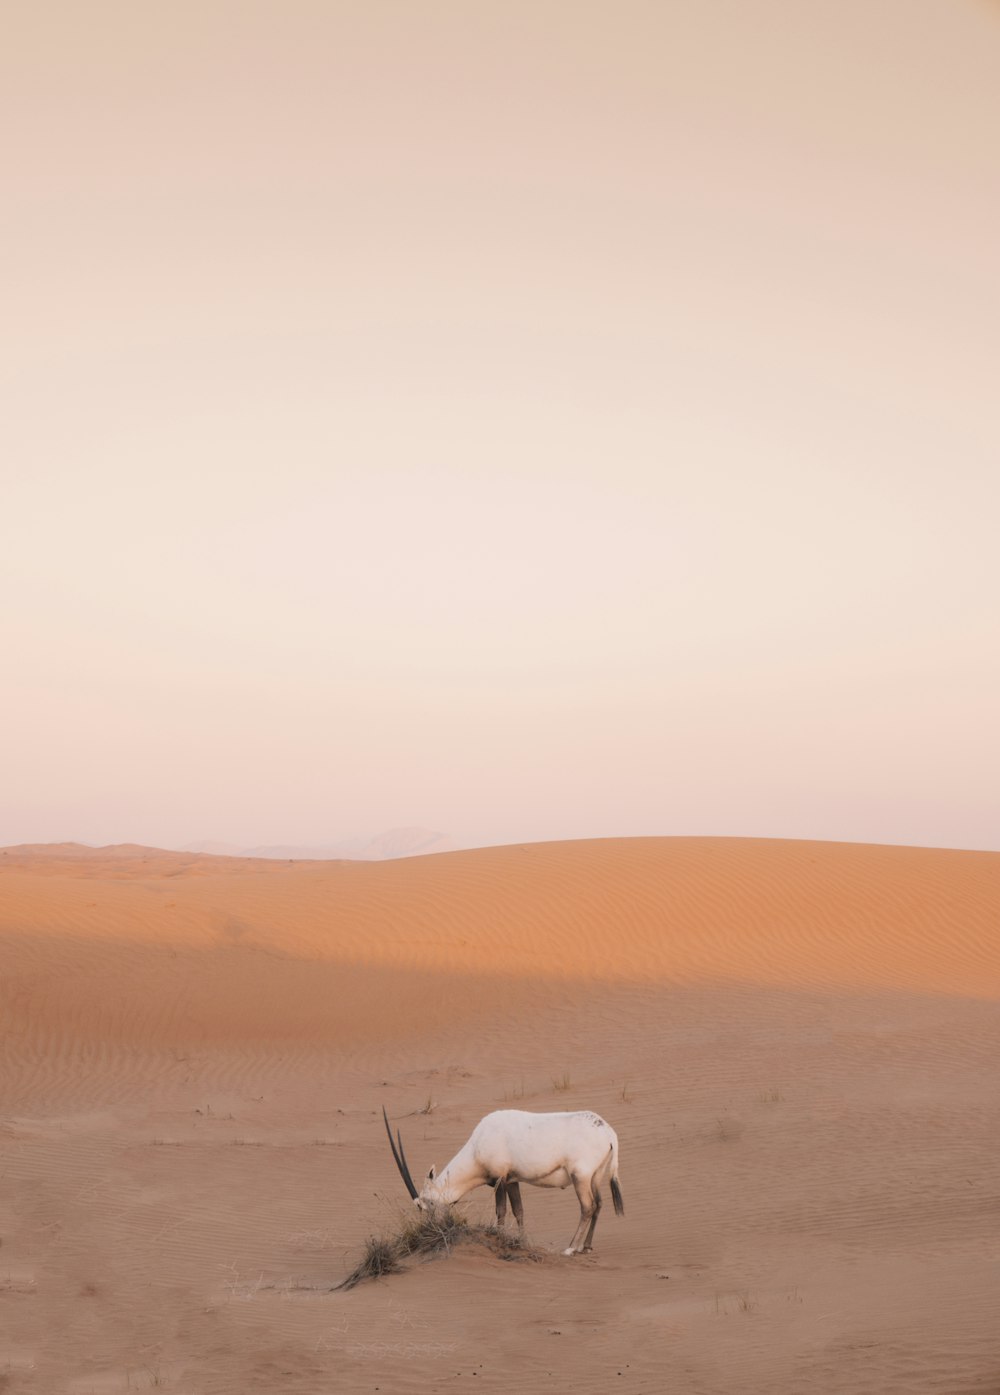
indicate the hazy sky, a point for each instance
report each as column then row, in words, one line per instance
column 519, row 418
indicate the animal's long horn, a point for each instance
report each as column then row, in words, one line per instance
column 400, row 1156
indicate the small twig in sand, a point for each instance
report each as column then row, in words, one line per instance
column 428, row 1108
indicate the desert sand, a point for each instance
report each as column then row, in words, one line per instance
column 798, row 1044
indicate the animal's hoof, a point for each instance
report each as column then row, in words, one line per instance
column 569, row 1252
column 587, row 1249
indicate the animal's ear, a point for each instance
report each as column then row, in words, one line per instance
column 430, row 1175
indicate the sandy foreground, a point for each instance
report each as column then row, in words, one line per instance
column 798, row 1044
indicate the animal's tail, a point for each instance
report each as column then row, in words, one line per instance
column 616, row 1191
column 616, row 1197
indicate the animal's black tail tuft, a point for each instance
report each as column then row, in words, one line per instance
column 616, row 1197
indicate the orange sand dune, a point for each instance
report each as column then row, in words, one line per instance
column 797, row 1042
column 186, row 945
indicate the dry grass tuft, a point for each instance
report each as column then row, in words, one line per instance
column 504, row 1244
column 378, row 1258
column 429, row 1234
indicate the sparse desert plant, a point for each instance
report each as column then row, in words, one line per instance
column 429, row 1234
column 378, row 1258
column 563, row 1083
column 770, row 1097
column 745, row 1303
column 508, row 1245
column 625, row 1096
column 148, row 1378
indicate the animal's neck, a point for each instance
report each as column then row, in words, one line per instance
column 461, row 1175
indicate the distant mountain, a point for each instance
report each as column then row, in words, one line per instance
column 395, row 842
column 125, row 860
column 74, row 851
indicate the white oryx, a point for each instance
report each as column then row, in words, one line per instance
column 511, row 1146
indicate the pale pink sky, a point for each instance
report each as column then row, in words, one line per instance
column 524, row 420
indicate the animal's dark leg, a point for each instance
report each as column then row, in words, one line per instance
column 588, row 1243
column 501, row 1201
column 514, row 1192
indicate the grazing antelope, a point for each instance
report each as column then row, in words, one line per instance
column 511, row 1146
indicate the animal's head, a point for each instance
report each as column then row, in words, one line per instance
column 430, row 1194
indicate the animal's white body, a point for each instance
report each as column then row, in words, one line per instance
column 511, row 1146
